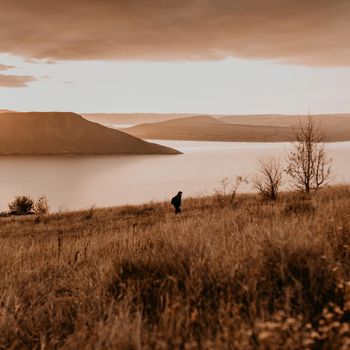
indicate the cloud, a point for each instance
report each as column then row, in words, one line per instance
column 310, row 32
column 4, row 67
column 15, row 81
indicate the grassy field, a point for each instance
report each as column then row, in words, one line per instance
column 247, row 275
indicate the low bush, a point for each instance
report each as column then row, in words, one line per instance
column 22, row 205
column 41, row 206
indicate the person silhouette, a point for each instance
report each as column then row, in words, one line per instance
column 176, row 202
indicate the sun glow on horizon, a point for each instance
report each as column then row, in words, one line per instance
column 230, row 86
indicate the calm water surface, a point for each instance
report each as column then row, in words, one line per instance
column 81, row 181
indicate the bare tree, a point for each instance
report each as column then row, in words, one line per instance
column 269, row 178
column 308, row 165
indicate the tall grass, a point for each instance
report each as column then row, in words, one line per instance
column 246, row 275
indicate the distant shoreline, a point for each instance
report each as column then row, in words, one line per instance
column 233, row 141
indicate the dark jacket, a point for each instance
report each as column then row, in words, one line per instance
column 176, row 201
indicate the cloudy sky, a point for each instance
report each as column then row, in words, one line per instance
column 197, row 56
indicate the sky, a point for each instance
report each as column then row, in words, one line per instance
column 190, row 56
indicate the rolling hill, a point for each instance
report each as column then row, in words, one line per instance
column 206, row 128
column 257, row 128
column 335, row 127
column 39, row 133
column 130, row 118
column 333, row 120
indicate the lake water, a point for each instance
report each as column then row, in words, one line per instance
column 119, row 126
column 76, row 182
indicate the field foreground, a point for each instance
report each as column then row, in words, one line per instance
column 246, row 275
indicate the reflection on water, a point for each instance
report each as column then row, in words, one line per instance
column 119, row 126
column 81, row 181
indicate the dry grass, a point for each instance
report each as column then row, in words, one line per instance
column 250, row 275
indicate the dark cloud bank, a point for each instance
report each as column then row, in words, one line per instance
column 311, row 32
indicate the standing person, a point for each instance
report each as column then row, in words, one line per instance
column 176, row 202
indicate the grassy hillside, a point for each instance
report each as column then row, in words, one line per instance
column 249, row 275
column 66, row 133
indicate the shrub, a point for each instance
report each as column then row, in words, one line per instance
column 41, row 206
column 229, row 188
column 22, row 205
column 269, row 178
column 90, row 212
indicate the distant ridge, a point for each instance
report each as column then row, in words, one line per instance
column 39, row 133
column 131, row 118
column 202, row 120
column 327, row 120
column 207, row 128
column 259, row 128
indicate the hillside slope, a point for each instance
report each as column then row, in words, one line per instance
column 66, row 133
column 249, row 275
